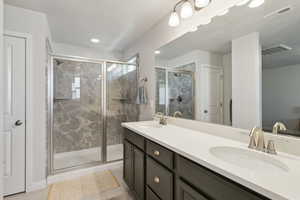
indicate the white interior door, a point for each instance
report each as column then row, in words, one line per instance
column 14, row 135
column 212, row 95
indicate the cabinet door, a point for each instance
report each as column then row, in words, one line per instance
column 128, row 164
column 139, row 173
column 185, row 192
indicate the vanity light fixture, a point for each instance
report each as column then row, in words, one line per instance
column 95, row 40
column 201, row 3
column 157, row 52
column 174, row 19
column 187, row 9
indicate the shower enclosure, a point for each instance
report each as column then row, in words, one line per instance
column 89, row 99
column 175, row 91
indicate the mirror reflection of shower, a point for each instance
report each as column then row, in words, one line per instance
column 175, row 91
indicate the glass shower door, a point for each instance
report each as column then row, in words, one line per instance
column 121, row 89
column 181, row 93
column 77, row 113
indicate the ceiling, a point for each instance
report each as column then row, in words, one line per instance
column 117, row 23
column 274, row 30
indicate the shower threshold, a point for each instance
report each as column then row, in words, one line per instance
column 77, row 158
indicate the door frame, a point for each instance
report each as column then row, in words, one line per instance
column 206, row 66
column 28, row 107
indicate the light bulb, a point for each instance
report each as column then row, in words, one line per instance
column 224, row 12
column 242, row 3
column 201, row 3
column 186, row 10
column 174, row 19
column 256, row 3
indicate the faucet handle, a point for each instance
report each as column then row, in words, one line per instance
column 252, row 144
column 271, row 147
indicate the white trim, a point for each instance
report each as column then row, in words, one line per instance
column 29, row 158
column 36, row 186
column 82, row 172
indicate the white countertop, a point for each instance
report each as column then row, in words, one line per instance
column 196, row 145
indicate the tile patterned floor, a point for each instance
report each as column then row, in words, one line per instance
column 120, row 193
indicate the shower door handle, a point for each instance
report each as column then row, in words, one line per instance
column 205, row 111
column 18, row 123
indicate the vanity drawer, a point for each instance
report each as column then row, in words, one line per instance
column 134, row 138
column 150, row 195
column 159, row 179
column 211, row 184
column 160, row 154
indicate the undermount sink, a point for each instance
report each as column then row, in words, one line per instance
column 149, row 125
column 249, row 159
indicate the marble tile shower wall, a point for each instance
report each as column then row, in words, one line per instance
column 77, row 111
column 181, row 93
column 77, row 114
column 121, row 91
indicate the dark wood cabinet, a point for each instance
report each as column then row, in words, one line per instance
column 134, row 166
column 186, row 192
column 128, row 164
column 154, row 172
column 139, row 170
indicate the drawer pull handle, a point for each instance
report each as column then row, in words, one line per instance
column 156, row 179
column 156, row 153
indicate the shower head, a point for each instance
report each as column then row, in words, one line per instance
column 177, row 74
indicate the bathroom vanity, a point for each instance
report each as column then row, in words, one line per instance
column 158, row 164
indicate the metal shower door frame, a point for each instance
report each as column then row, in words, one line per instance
column 50, row 100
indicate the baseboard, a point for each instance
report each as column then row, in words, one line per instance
column 81, row 172
column 36, row 186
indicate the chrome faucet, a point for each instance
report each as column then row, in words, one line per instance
column 257, row 140
column 279, row 126
column 162, row 118
column 177, row 114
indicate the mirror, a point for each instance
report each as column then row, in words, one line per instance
column 195, row 73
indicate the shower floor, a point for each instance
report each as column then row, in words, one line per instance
column 76, row 158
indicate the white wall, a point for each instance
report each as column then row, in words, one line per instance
column 281, row 99
column 35, row 24
column 160, row 35
column 1, row 98
column 246, row 81
column 72, row 50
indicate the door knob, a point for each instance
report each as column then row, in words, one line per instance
column 18, row 123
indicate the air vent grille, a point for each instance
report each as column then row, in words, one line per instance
column 276, row 49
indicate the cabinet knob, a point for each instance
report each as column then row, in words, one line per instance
column 156, row 179
column 156, row 153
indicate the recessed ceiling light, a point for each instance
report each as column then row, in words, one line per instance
column 95, row 40
column 157, row 52
column 256, row 3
